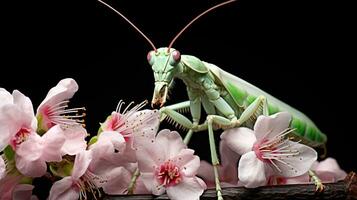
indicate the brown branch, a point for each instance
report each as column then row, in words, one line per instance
column 346, row 189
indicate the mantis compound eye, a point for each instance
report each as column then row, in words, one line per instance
column 149, row 57
column 176, row 56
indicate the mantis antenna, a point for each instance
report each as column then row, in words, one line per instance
column 126, row 19
column 196, row 18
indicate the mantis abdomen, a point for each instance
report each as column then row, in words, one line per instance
column 244, row 93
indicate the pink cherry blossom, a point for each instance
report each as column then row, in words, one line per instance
column 227, row 170
column 134, row 125
column 74, row 139
column 18, row 126
column 167, row 165
column 79, row 183
column 110, row 164
column 54, row 108
column 11, row 189
column 17, row 121
column 266, row 151
column 35, row 151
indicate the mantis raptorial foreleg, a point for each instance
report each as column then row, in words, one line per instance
column 175, row 107
column 171, row 112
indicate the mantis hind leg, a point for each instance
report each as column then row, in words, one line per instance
column 317, row 181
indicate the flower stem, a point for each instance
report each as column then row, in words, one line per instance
column 133, row 181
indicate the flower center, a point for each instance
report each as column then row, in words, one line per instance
column 168, row 174
column 60, row 114
column 87, row 184
column 126, row 121
column 19, row 137
column 275, row 149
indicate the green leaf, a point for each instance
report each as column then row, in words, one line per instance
column 9, row 153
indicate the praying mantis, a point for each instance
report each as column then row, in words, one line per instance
column 227, row 100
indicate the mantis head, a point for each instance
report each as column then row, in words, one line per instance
column 164, row 63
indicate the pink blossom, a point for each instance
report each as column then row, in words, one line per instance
column 266, row 151
column 134, row 125
column 17, row 121
column 11, row 189
column 227, row 170
column 35, row 151
column 81, row 180
column 54, row 108
column 167, row 165
column 18, row 127
column 110, row 164
column 74, row 139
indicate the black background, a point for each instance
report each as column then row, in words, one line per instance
column 296, row 50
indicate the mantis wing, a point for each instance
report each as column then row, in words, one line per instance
column 245, row 93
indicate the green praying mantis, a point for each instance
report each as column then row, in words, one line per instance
column 227, row 100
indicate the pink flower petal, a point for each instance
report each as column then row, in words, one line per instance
column 2, row 168
column 302, row 179
column 188, row 189
column 299, row 164
column 7, row 185
column 118, row 181
column 64, row 90
column 140, row 187
column 63, row 190
column 53, row 142
column 273, row 125
column 29, row 159
column 206, row 173
column 149, row 156
column 187, row 162
column 229, row 160
column 22, row 192
column 75, row 140
column 170, row 143
column 5, row 97
column 328, row 170
column 12, row 119
column 81, row 164
column 115, row 138
column 251, row 171
column 239, row 140
column 151, row 184
column 24, row 103
column 147, row 130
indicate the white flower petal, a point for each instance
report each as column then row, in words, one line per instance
column 5, row 97
column 64, row 90
column 170, row 143
column 115, row 138
column 81, row 164
column 23, row 102
column 240, row 140
column 63, row 190
column 151, row 184
column 251, row 171
column 189, row 189
column 297, row 165
column 273, row 125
